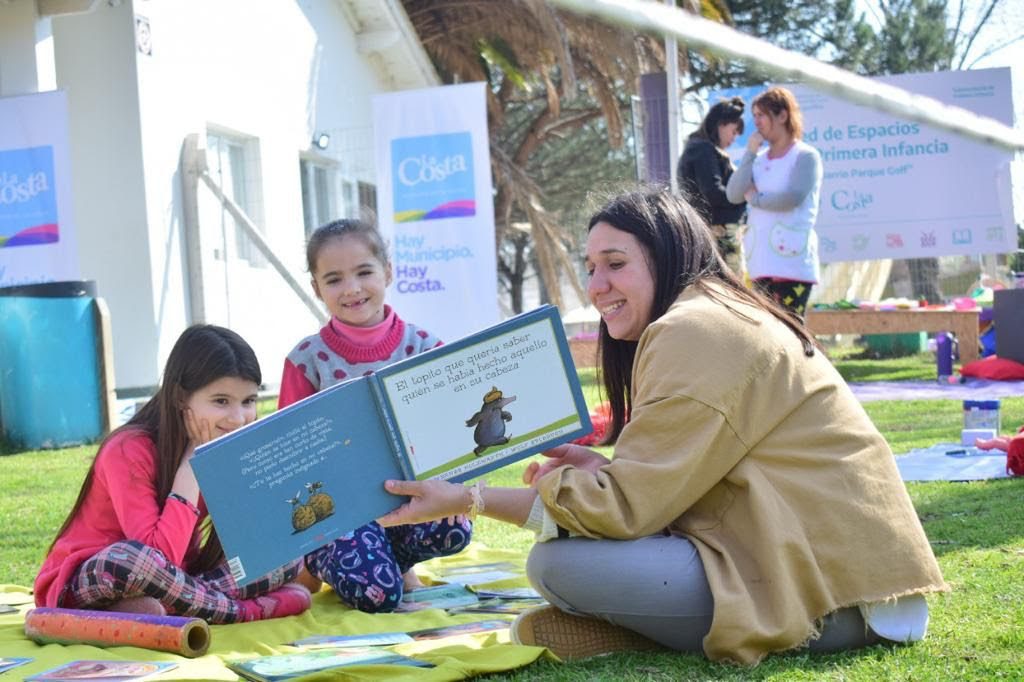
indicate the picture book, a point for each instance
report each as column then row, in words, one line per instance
column 310, row 473
column 437, row 597
column 289, row 666
column 511, row 607
column 506, row 593
column 108, row 671
column 8, row 663
column 460, row 629
column 480, row 574
column 7, row 608
column 335, row 641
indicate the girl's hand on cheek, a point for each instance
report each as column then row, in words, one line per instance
column 200, row 431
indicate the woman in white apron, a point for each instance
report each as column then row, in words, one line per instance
column 781, row 184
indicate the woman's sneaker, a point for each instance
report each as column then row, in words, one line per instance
column 569, row 637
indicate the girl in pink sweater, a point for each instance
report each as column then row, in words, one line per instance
column 138, row 537
column 370, row 568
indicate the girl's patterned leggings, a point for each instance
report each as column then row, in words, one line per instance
column 787, row 293
column 365, row 567
column 131, row 569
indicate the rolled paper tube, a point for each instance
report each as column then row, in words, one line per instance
column 179, row 635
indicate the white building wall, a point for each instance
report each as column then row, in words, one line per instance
column 274, row 72
column 94, row 55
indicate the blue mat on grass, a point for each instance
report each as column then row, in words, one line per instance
column 971, row 389
column 951, row 462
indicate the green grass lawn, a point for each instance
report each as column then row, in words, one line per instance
column 976, row 530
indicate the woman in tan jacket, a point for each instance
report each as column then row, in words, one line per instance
column 750, row 506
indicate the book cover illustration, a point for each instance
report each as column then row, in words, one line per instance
column 109, row 671
column 506, row 593
column 7, row 663
column 512, row 607
column 436, row 597
column 289, row 666
column 364, row 640
column 480, row 574
column 460, row 629
column 312, row 472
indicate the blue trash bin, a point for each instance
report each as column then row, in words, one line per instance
column 50, row 381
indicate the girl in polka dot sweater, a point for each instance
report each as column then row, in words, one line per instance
column 371, row 567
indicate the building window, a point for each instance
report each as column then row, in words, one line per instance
column 234, row 165
column 367, row 196
column 320, row 181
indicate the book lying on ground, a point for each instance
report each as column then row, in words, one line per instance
column 460, row 629
column 310, row 473
column 505, row 593
column 335, row 641
column 8, row 663
column 109, row 671
column 289, row 666
column 512, row 607
column 480, row 573
column 437, row 597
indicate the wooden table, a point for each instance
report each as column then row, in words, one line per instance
column 961, row 323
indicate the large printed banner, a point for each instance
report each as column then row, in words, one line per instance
column 434, row 205
column 37, row 239
column 899, row 189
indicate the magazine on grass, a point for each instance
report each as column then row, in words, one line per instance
column 310, row 473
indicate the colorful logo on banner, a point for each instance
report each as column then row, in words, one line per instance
column 28, row 201
column 433, row 177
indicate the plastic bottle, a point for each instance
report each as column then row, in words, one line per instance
column 944, row 355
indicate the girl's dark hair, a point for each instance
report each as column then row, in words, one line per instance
column 777, row 99
column 723, row 112
column 201, row 355
column 362, row 228
column 680, row 252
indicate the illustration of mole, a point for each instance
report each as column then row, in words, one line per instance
column 303, row 515
column 490, row 421
column 322, row 503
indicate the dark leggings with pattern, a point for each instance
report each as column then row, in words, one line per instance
column 787, row 293
column 365, row 567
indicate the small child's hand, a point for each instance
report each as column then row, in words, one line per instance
column 997, row 443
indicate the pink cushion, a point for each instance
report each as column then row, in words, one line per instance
column 994, row 367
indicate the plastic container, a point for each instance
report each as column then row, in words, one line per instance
column 981, row 414
column 944, row 354
column 50, row 381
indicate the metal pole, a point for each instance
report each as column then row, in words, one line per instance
column 672, row 94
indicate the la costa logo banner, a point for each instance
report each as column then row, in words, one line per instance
column 432, row 177
column 28, row 202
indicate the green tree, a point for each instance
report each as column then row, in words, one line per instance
column 552, row 76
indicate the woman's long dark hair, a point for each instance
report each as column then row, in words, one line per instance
column 722, row 112
column 201, row 355
column 680, row 252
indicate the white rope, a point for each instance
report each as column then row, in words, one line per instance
column 699, row 33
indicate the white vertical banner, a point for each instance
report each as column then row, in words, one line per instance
column 37, row 236
column 435, row 206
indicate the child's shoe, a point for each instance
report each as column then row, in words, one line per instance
column 287, row 600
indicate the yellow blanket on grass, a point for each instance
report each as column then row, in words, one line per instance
column 455, row 658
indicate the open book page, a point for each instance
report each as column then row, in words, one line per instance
column 487, row 400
